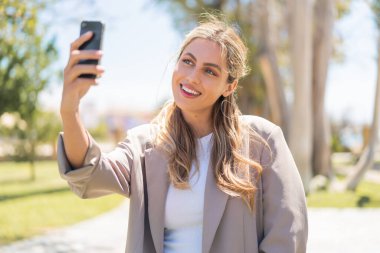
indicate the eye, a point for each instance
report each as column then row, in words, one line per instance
column 210, row 72
column 187, row 61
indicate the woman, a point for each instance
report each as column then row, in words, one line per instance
column 200, row 177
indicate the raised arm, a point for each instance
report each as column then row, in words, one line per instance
column 74, row 88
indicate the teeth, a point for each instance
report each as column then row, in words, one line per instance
column 190, row 91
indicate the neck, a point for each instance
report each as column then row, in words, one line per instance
column 200, row 123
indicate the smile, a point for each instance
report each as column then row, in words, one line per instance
column 189, row 92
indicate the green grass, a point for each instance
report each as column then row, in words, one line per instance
column 366, row 195
column 29, row 208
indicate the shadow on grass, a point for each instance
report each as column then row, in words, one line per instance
column 15, row 181
column 29, row 194
column 362, row 201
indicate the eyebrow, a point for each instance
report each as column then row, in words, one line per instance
column 207, row 63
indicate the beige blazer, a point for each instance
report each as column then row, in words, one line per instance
column 277, row 225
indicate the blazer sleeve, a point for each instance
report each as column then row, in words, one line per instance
column 101, row 173
column 285, row 222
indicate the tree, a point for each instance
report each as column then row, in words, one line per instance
column 300, row 135
column 25, row 66
column 324, row 14
column 322, row 50
column 27, row 135
column 25, row 56
column 367, row 157
column 270, row 68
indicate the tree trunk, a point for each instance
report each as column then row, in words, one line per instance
column 54, row 149
column 269, row 67
column 366, row 159
column 300, row 132
column 32, row 162
column 322, row 47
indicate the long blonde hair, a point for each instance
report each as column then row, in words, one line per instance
column 234, row 172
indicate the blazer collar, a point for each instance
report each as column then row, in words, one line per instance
column 158, row 183
column 214, row 204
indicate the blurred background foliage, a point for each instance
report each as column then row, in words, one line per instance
column 26, row 57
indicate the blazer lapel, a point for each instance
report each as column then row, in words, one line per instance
column 214, row 204
column 157, row 185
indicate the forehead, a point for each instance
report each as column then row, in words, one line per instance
column 205, row 51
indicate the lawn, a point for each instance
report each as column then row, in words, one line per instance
column 366, row 195
column 29, row 208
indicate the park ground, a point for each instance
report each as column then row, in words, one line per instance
column 45, row 216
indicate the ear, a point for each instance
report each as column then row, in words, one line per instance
column 230, row 88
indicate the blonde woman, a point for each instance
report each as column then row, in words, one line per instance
column 200, row 177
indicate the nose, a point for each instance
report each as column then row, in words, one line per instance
column 194, row 76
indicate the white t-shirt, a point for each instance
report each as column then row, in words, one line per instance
column 184, row 208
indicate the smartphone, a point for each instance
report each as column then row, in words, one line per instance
column 95, row 43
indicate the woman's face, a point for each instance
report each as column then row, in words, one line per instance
column 200, row 77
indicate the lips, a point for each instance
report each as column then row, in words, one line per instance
column 189, row 91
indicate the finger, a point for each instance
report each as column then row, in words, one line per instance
column 77, row 55
column 82, row 39
column 85, row 82
column 79, row 69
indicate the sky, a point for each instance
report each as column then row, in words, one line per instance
column 351, row 85
column 140, row 42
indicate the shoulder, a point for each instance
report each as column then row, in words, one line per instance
column 144, row 130
column 261, row 126
column 142, row 135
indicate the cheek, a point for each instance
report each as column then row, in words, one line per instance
column 217, row 92
column 183, row 70
column 175, row 74
column 179, row 73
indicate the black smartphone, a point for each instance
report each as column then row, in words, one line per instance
column 95, row 43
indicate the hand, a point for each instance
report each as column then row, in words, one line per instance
column 74, row 88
